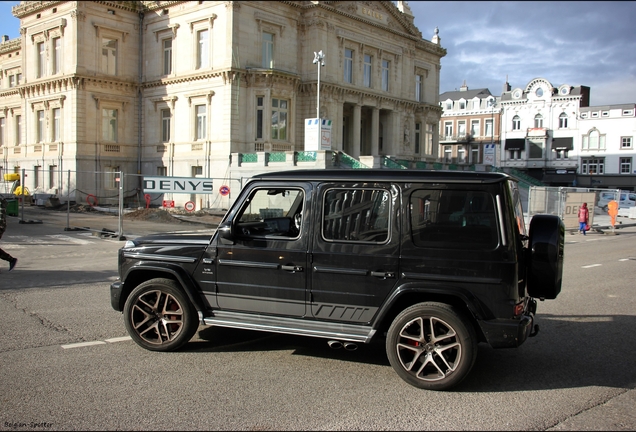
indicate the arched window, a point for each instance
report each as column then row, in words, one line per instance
column 538, row 121
column 563, row 121
column 516, row 123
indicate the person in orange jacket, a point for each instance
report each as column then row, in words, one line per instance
column 584, row 218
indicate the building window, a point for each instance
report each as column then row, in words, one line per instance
column 594, row 141
column 109, row 56
column 367, row 70
column 57, row 124
column 561, row 154
column 167, row 56
column 109, row 125
column 418, row 134
column 11, row 81
column 203, row 49
column 626, row 165
column 348, row 66
column 476, row 104
column 563, row 121
column 57, row 55
column 162, row 171
column 626, row 142
column 538, row 120
column 41, row 59
column 428, row 139
column 52, row 176
column 474, row 154
column 259, row 117
column 201, row 121
column 461, row 154
column 516, row 123
column 279, row 119
column 419, row 88
column 36, row 176
column 18, row 129
column 40, row 126
column 489, row 129
column 461, row 128
column 3, row 121
column 474, row 128
column 448, row 130
column 385, row 75
column 462, row 105
column 165, row 125
column 593, row 166
column 448, row 153
column 110, row 177
column 535, row 149
column 18, row 79
column 197, row 171
column 515, row 154
column 268, row 50
column 449, row 106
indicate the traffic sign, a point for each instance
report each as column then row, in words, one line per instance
column 224, row 190
column 189, row 206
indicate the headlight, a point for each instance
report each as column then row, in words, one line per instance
column 129, row 244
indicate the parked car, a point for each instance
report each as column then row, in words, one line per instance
column 431, row 263
column 627, row 199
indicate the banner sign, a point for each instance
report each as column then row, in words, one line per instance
column 489, row 154
column 191, row 185
column 311, row 134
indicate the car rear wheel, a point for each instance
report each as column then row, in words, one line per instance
column 431, row 346
column 159, row 316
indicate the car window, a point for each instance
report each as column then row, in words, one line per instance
column 356, row 215
column 271, row 212
column 453, row 219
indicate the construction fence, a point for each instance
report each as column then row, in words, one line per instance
column 566, row 201
column 116, row 192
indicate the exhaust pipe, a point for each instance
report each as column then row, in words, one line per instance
column 350, row 346
column 334, row 344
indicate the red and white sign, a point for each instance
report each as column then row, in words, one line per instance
column 168, row 203
column 224, row 190
column 189, row 206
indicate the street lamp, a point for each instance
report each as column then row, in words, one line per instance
column 492, row 104
column 319, row 58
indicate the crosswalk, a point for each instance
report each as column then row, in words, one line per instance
column 23, row 241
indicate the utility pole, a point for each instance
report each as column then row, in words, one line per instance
column 319, row 58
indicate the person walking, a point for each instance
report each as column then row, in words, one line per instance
column 3, row 226
column 584, row 218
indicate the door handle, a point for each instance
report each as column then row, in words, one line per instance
column 383, row 275
column 291, row 268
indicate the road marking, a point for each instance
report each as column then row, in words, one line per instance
column 592, row 265
column 119, row 339
column 70, row 239
column 83, row 344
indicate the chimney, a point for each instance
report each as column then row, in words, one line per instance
column 5, row 38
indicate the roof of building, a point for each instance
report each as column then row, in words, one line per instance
column 465, row 94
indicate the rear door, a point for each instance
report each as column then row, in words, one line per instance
column 355, row 256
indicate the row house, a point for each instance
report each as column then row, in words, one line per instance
column 212, row 89
column 469, row 128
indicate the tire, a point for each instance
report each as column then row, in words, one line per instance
column 547, row 245
column 159, row 316
column 431, row 346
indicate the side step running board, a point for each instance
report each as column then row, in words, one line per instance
column 300, row 327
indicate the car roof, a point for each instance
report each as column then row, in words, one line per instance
column 385, row 175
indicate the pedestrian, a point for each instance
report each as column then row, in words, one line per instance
column 3, row 226
column 584, row 218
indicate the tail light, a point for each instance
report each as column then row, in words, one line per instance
column 518, row 309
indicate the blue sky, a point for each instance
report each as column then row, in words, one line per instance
column 566, row 42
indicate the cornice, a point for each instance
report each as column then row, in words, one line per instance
column 11, row 45
column 26, row 8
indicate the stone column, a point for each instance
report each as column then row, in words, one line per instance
column 375, row 131
column 357, row 116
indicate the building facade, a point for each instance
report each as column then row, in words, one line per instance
column 211, row 89
column 541, row 132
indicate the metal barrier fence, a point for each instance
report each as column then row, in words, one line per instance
column 566, row 201
column 77, row 192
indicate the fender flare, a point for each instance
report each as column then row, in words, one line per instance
column 179, row 274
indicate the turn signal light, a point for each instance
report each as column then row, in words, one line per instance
column 518, row 310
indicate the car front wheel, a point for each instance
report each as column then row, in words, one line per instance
column 431, row 346
column 159, row 316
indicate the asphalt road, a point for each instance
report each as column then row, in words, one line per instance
column 67, row 363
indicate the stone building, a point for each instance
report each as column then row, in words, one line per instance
column 212, row 89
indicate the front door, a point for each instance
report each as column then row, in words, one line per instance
column 265, row 268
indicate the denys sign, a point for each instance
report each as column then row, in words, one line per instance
column 191, row 185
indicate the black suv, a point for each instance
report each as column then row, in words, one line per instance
column 434, row 262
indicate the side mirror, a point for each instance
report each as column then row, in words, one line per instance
column 225, row 233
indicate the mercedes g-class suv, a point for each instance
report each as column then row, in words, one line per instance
column 430, row 262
